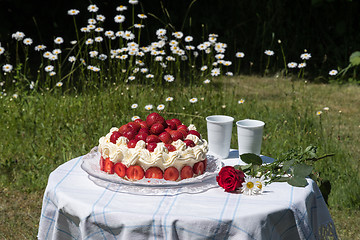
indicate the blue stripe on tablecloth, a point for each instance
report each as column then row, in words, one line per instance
column 114, row 194
column 167, row 214
column 56, row 186
column 221, row 214
column 156, row 211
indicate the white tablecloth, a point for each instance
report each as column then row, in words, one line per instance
column 74, row 207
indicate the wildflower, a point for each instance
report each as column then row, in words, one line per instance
column 173, row 43
column 241, row 101
column 100, row 18
column 89, row 41
column 40, row 47
column 305, row 56
column 160, row 107
column 201, row 47
column 212, row 39
column 138, row 25
column 102, row 57
column 215, row 72
column 178, row 35
column 84, row 29
column 99, row 29
column 269, row 52
column 240, row 55
column 73, row 12
column 98, row 39
column 32, row 85
column 91, row 26
column 326, row 108
column 292, row 65
column 318, row 113
column 59, row 84
column 49, row 68
column 207, row 81
column 161, row 32
column 259, row 184
column 73, row 42
column 169, row 99
column 188, row 38
column 134, row 118
column 128, row 35
column 133, row 2
column 53, row 57
column 7, row 68
column 15, row 95
column 93, row 8
column 58, row 40
column 18, row 36
column 91, row 21
column 144, row 70
column 193, row 100
column 134, row 106
column 119, row 18
column 229, row 74
column 142, row 16
column 52, row 73
column 56, row 51
column 2, row 50
column 72, row 59
column 302, row 65
column 93, row 53
column 109, row 34
column 149, row 76
column 28, row 41
column 169, row 78
column 121, row 8
column 47, row 54
column 123, row 57
column 249, row 187
column 227, row 63
column 148, row 107
column 219, row 56
column 158, row 58
column 333, row 72
column 131, row 78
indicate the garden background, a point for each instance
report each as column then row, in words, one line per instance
column 44, row 123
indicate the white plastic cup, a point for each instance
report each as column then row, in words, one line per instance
column 250, row 134
column 219, row 128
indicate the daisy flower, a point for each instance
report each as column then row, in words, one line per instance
column 100, row 18
column 134, row 106
column 40, row 47
column 134, row 118
column 269, row 52
column 92, row 8
column 73, row 12
column 72, row 59
column 160, row 32
column 15, row 95
column 28, row 41
column 227, row 63
column 149, row 76
column 93, row 53
column 58, row 40
column 240, row 55
column 207, row 81
column 18, row 36
column 99, row 29
column 53, row 57
column 193, row 100
column 52, row 73
column 241, row 101
column 49, row 68
column 188, row 39
column 142, row 16
column 215, row 72
column 292, row 65
column 121, row 8
column 91, row 21
column 32, row 85
column 169, row 78
column 119, row 18
column 47, row 54
column 248, row 186
column 333, row 72
column 133, row 2
column 59, row 84
column 102, row 57
column 138, row 25
column 56, row 51
column 144, row 70
column 305, row 56
column 169, row 99
column 229, row 74
column 203, row 68
column 128, row 35
column 326, row 108
column 318, row 113
column 91, row 26
column 160, row 107
column 259, row 184
column 131, row 78
column 109, row 33
column 2, row 50
column 148, row 107
column 219, row 56
column 302, row 65
column 178, row 35
column 98, row 39
column 89, row 41
column 7, row 68
column 73, row 42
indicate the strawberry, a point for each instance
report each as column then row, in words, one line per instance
column 108, row 166
column 152, row 139
column 185, row 133
column 134, row 126
column 143, row 124
column 186, row 172
column 183, row 127
column 138, row 120
column 123, row 129
column 155, row 118
column 102, row 163
column 132, row 143
column 120, row 169
column 199, row 168
column 135, row 172
column 151, row 146
column 171, row 124
column 154, row 172
column 176, row 121
column 205, row 163
column 170, row 147
column 165, row 137
column 157, row 128
column 144, row 130
column 194, row 132
column 114, row 136
column 141, row 136
column 176, row 135
column 168, row 130
column 130, row 134
column 171, row 174
column 189, row 143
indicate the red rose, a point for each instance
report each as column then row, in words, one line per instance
column 230, row 179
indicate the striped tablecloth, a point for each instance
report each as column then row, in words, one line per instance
column 74, row 207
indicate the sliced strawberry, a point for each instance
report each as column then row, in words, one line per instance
column 176, row 121
column 189, row 143
column 151, row 146
column 132, row 143
column 135, row 172
column 120, row 169
column 186, row 172
column 199, row 168
column 170, row 147
column 165, row 137
column 108, row 166
column 152, row 138
column 157, row 128
column 114, row 136
column 154, row 172
column 171, row 174
column 176, row 135
column 134, row 126
column 194, row 132
column 141, row 136
column 102, row 163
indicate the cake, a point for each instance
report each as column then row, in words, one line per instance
column 154, row 148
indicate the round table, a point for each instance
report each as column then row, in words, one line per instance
column 74, row 207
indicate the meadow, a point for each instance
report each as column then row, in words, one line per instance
column 57, row 101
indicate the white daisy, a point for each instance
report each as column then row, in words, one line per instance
column 169, row 78
column 292, row 65
column 93, row 53
column 15, row 95
column 269, row 52
column 169, row 99
column 52, row 73
column 302, row 65
column 207, row 81
column 59, row 84
column 138, row 25
column 133, row 2
column 318, row 113
column 119, row 18
column 249, row 187
column 18, row 36
column 49, row 68
column 47, row 54
column 134, row 118
column 188, row 38
column 178, row 35
column 89, row 41
column 7, row 68
column 40, row 47
column 240, row 55
column 72, row 59
column 305, row 56
column 100, row 18
column 149, row 76
column 193, row 100
column 160, row 107
column 56, row 51
column 142, row 16
column 241, row 101
column 58, row 40
column 131, row 78
column 73, row 12
column 259, row 184
column 2, row 50
column 98, row 39
column 333, row 72
column 134, row 106
column 215, row 72
column 28, row 41
column 109, row 34
column 99, row 29
column 160, row 32
column 121, row 8
column 326, row 108
column 93, row 8
column 102, row 57
column 148, row 107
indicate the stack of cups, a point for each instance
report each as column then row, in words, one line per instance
column 219, row 129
